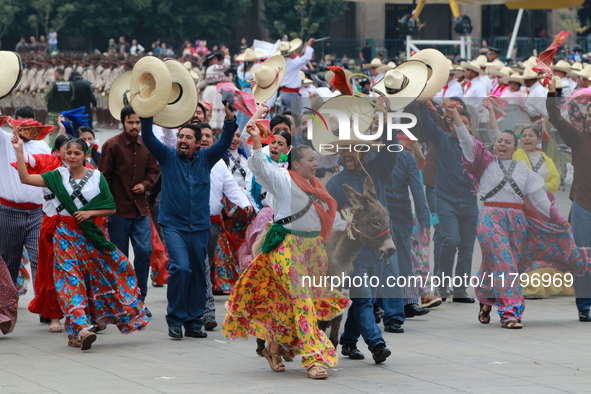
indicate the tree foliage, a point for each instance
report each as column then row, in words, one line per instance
column 301, row 18
column 8, row 10
column 53, row 15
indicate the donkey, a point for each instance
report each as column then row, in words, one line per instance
column 371, row 225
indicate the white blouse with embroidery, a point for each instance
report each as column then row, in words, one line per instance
column 90, row 190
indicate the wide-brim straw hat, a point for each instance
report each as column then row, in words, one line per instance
column 482, row 60
column 501, row 73
column 495, row 64
column 189, row 66
column 286, row 48
column 562, row 65
column 305, row 81
column 374, row 63
column 438, row 68
column 456, row 70
column 386, row 67
column 329, row 75
column 119, row 94
column 403, row 84
column 183, row 97
column 576, row 66
column 268, row 78
column 472, row 65
column 250, row 56
column 558, row 82
column 528, row 73
column 11, row 70
column 326, row 132
column 584, row 73
column 150, row 86
column 514, row 77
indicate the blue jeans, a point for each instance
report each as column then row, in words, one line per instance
column 286, row 98
column 458, row 231
column 140, row 231
column 581, row 225
column 187, row 288
column 360, row 318
column 391, row 300
column 432, row 204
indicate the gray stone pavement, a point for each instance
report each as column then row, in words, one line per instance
column 446, row 351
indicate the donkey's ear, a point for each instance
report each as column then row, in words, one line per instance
column 357, row 199
column 370, row 189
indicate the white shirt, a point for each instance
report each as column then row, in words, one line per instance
column 11, row 188
column 454, row 89
column 135, row 49
column 222, row 183
column 536, row 99
column 474, row 93
column 530, row 183
column 486, row 81
column 291, row 79
column 288, row 197
column 247, row 180
column 90, row 190
column 568, row 86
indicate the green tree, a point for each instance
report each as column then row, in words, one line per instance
column 53, row 14
column 8, row 10
column 301, row 18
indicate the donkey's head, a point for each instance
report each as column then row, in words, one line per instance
column 371, row 219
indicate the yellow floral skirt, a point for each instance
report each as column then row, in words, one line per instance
column 276, row 299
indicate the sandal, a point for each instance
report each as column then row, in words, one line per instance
column 512, row 324
column 74, row 341
column 87, row 340
column 484, row 315
column 274, row 358
column 55, row 327
column 260, row 346
column 317, row 372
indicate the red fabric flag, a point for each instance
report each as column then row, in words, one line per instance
column 340, row 80
column 498, row 105
column 243, row 101
column 546, row 57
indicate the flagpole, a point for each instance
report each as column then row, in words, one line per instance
column 514, row 35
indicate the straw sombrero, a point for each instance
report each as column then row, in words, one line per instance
column 496, row 64
column 119, row 94
column 562, row 65
column 386, row 67
column 530, row 74
column 183, row 98
column 374, row 63
column 502, row 73
column 403, row 84
column 306, row 81
column 11, row 70
column 150, row 86
column 268, row 78
column 250, row 56
column 577, row 66
column 189, row 66
column 438, row 68
column 329, row 75
column 514, row 77
column 326, row 130
column 558, row 83
column 472, row 65
column 456, row 70
column 285, row 48
column 584, row 73
column 482, row 61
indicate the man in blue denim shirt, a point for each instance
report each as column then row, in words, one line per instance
column 184, row 217
column 360, row 318
column 405, row 175
column 457, row 206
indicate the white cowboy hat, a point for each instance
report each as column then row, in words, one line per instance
column 250, row 56
column 386, row 67
column 576, row 66
column 482, row 60
column 182, row 100
column 329, row 75
column 285, row 48
column 584, row 73
column 528, row 73
column 305, row 81
column 502, row 73
column 268, row 78
column 11, row 70
column 350, row 105
column 495, row 64
column 531, row 62
column 472, row 65
column 189, row 66
column 150, row 86
column 374, row 63
column 438, row 68
column 119, row 94
column 558, row 82
column 403, row 84
column 514, row 77
column 456, row 70
column 562, row 65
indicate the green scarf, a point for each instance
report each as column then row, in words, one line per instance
column 277, row 234
column 104, row 200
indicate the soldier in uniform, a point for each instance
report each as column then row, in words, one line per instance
column 102, row 98
column 65, row 60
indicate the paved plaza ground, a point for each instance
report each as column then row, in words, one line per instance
column 446, row 351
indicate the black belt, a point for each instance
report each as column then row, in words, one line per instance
column 311, row 199
column 506, row 178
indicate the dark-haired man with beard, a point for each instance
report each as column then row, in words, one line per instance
column 184, row 217
column 131, row 171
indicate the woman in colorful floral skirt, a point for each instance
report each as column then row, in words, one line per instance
column 273, row 300
column 8, row 300
column 518, row 229
column 94, row 281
